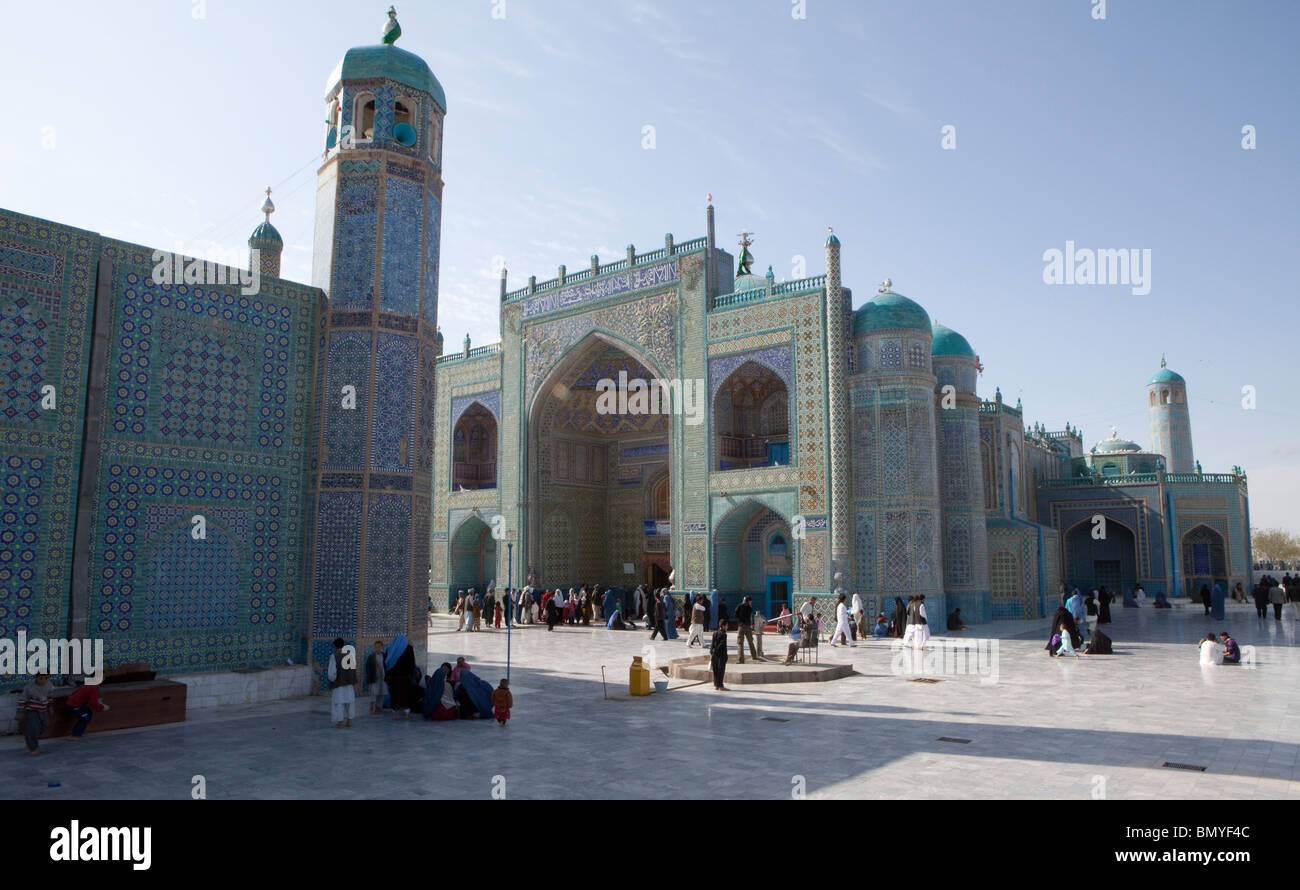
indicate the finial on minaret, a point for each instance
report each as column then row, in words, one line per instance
column 708, row 199
column 885, row 285
column 1162, row 360
column 267, row 207
column 392, row 30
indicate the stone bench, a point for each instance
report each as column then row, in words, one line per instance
column 140, row 703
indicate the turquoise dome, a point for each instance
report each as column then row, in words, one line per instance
column 374, row 62
column 749, row 282
column 890, row 310
column 265, row 234
column 1164, row 375
column 948, row 342
column 1110, row 445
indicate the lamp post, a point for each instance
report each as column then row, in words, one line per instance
column 510, row 607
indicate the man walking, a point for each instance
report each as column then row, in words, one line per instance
column 718, row 657
column 745, row 631
column 1277, row 596
column 658, row 615
column 698, row 615
column 841, row 624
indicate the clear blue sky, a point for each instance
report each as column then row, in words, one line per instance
column 1123, row 133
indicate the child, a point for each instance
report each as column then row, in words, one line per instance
column 84, row 703
column 34, row 710
column 1066, row 644
column 498, row 615
column 502, row 702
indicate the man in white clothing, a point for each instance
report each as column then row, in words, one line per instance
column 342, row 676
column 841, row 623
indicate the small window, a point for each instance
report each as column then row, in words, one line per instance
column 777, row 546
column 363, row 118
column 1109, row 469
column 1153, row 398
column 404, row 132
column 435, row 135
column 1164, row 397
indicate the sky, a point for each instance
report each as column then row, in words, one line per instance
column 163, row 122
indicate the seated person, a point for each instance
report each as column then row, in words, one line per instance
column 616, row 620
column 1211, row 651
column 1098, row 645
column 882, row 626
column 1231, row 652
column 954, row 620
column 1161, row 601
column 804, row 635
column 440, row 696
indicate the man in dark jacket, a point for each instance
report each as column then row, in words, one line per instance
column 718, row 656
column 658, row 615
column 745, row 631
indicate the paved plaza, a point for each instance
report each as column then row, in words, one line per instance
column 1046, row 728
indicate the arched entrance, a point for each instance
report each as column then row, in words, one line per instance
column 1204, row 560
column 474, row 450
column 599, row 493
column 753, row 554
column 473, row 557
column 751, row 413
column 1095, row 562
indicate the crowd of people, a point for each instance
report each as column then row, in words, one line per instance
column 397, row 683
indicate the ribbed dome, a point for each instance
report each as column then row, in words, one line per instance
column 948, row 342
column 1114, row 444
column 265, row 235
column 1164, row 375
column 375, row 62
column 749, row 282
column 890, row 310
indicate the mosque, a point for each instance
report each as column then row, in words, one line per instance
column 212, row 479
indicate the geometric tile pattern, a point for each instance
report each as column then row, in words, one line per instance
column 403, row 238
column 354, row 243
column 388, row 564
column 47, row 275
column 392, row 432
column 205, row 394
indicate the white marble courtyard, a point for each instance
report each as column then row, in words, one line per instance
column 1047, row 728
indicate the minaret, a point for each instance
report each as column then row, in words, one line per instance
column 378, row 222
column 265, row 244
column 1171, row 425
column 837, row 398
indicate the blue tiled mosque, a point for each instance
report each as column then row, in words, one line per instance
column 345, row 467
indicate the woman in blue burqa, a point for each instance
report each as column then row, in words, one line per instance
column 1216, row 602
column 670, row 614
column 399, row 662
column 473, row 695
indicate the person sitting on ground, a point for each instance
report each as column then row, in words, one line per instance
column 1063, row 616
column 1231, row 652
column 439, row 702
column 616, row 620
column 954, row 620
column 461, row 665
column 84, row 703
column 1211, row 651
column 1098, row 645
column 882, row 626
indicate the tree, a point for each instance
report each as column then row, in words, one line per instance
column 1274, row 545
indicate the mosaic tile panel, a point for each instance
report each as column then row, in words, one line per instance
column 812, row 562
column 403, row 239
column 392, row 432
column 205, row 391
column 205, row 577
column 893, row 450
column 338, row 564
column 47, row 279
column 865, row 553
column 354, row 243
column 432, row 228
column 385, row 607
column 695, row 561
column 345, row 428
column 898, row 553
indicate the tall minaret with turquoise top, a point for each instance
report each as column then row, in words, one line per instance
column 1171, row 424
column 378, row 219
